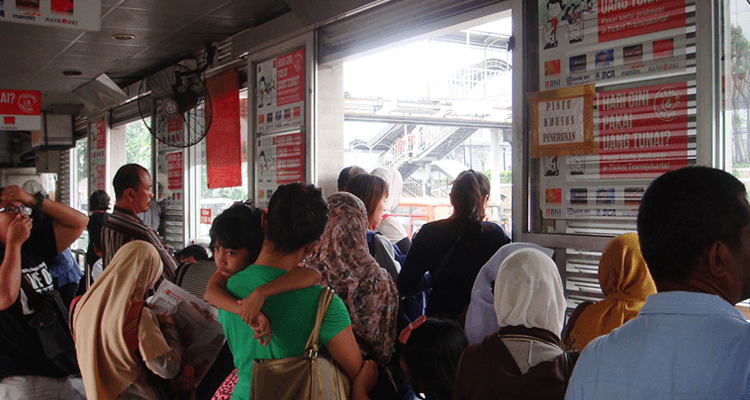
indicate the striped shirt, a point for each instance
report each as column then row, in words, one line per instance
column 121, row 227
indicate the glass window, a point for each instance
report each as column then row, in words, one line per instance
column 79, row 185
column 433, row 109
column 214, row 201
column 138, row 144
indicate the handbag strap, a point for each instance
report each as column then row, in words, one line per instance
column 28, row 289
column 445, row 259
column 324, row 301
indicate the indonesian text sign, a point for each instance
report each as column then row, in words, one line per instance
column 562, row 122
column 82, row 14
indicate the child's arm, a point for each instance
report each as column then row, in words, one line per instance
column 216, row 294
column 298, row 278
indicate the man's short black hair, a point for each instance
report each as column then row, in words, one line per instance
column 127, row 177
column 196, row 251
column 297, row 215
column 684, row 211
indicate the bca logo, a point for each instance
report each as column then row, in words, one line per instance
column 605, row 75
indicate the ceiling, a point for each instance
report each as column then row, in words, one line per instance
column 165, row 32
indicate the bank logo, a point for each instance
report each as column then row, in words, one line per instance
column 604, row 58
column 577, row 63
column 632, row 54
column 552, row 68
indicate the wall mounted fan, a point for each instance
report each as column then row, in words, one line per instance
column 176, row 106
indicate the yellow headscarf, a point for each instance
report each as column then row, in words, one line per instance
column 107, row 367
column 625, row 282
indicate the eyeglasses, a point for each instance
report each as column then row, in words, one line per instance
column 13, row 210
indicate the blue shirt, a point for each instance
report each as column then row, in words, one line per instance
column 680, row 346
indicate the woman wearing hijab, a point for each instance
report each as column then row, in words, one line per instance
column 625, row 283
column 368, row 291
column 111, row 370
column 480, row 318
column 390, row 227
column 525, row 359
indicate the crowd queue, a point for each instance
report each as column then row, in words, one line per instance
column 455, row 312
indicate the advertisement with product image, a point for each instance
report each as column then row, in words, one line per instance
column 586, row 41
column 74, row 14
column 98, row 158
column 280, row 93
column 280, row 160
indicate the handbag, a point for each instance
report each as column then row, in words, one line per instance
column 51, row 323
column 311, row 376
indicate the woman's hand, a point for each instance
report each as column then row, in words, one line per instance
column 250, row 306
column 15, row 193
column 262, row 328
column 365, row 380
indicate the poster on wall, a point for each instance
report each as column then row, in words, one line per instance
column 20, row 110
column 280, row 159
column 170, row 194
column 280, row 93
column 562, row 122
column 79, row 14
column 98, row 143
column 642, row 133
column 589, row 41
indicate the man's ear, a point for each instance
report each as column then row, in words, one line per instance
column 263, row 221
column 718, row 259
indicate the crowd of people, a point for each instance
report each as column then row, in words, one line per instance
column 454, row 312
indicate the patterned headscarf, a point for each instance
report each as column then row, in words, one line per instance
column 347, row 267
column 625, row 282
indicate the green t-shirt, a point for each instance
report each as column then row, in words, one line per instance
column 292, row 316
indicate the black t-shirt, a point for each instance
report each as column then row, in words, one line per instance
column 21, row 351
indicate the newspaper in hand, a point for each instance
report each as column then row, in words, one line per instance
column 197, row 322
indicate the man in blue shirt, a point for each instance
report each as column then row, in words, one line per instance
column 688, row 341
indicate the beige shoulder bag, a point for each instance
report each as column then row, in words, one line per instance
column 310, row 376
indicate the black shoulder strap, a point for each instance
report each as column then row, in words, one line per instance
column 444, row 262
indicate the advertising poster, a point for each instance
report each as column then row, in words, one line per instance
column 280, row 93
column 642, row 131
column 174, row 171
column 589, row 41
column 280, row 160
column 20, row 110
column 74, row 14
column 98, row 141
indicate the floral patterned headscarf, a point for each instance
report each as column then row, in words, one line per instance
column 347, row 267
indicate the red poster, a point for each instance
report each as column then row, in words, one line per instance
column 290, row 78
column 625, row 18
column 642, row 131
column 100, row 135
column 206, row 216
column 100, row 177
column 20, row 110
column 223, row 154
column 290, row 157
column 174, row 171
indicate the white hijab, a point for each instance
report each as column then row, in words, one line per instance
column 529, row 292
column 480, row 318
column 395, row 184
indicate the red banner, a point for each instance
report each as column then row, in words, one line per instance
column 643, row 130
column 223, row 154
column 625, row 18
column 174, row 171
column 290, row 75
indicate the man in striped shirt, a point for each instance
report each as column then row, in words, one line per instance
column 133, row 194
